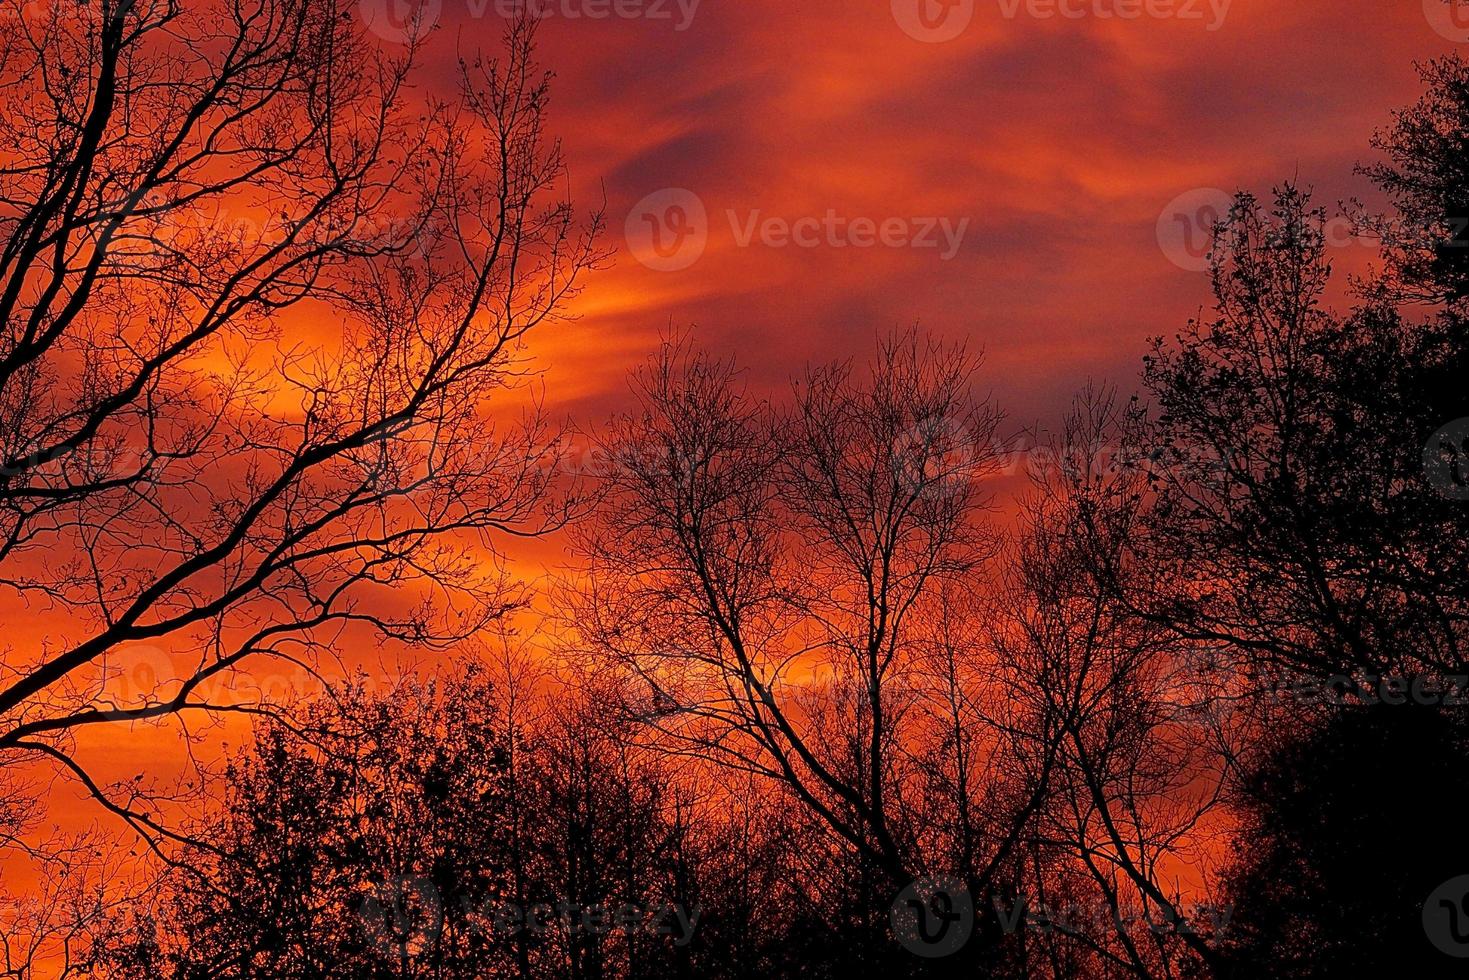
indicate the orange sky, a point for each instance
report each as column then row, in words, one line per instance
column 1056, row 143
column 1060, row 141
column 1059, row 144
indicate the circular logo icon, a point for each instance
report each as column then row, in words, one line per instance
column 933, row 21
column 935, row 458
column 399, row 20
column 1186, row 226
column 1210, row 691
column 668, row 230
column 933, row 917
column 1446, row 917
column 403, row 911
column 135, row 676
column 1450, row 18
column 1446, row 460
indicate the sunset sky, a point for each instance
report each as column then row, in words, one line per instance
column 1048, row 167
column 256, row 443
column 1055, row 143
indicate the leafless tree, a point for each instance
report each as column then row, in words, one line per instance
column 774, row 580
column 256, row 296
column 1145, row 721
column 63, row 891
column 1293, row 506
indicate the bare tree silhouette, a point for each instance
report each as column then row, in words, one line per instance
column 1145, row 722
column 778, row 573
column 1294, row 519
column 1425, row 174
column 264, row 396
column 410, row 833
column 256, row 298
